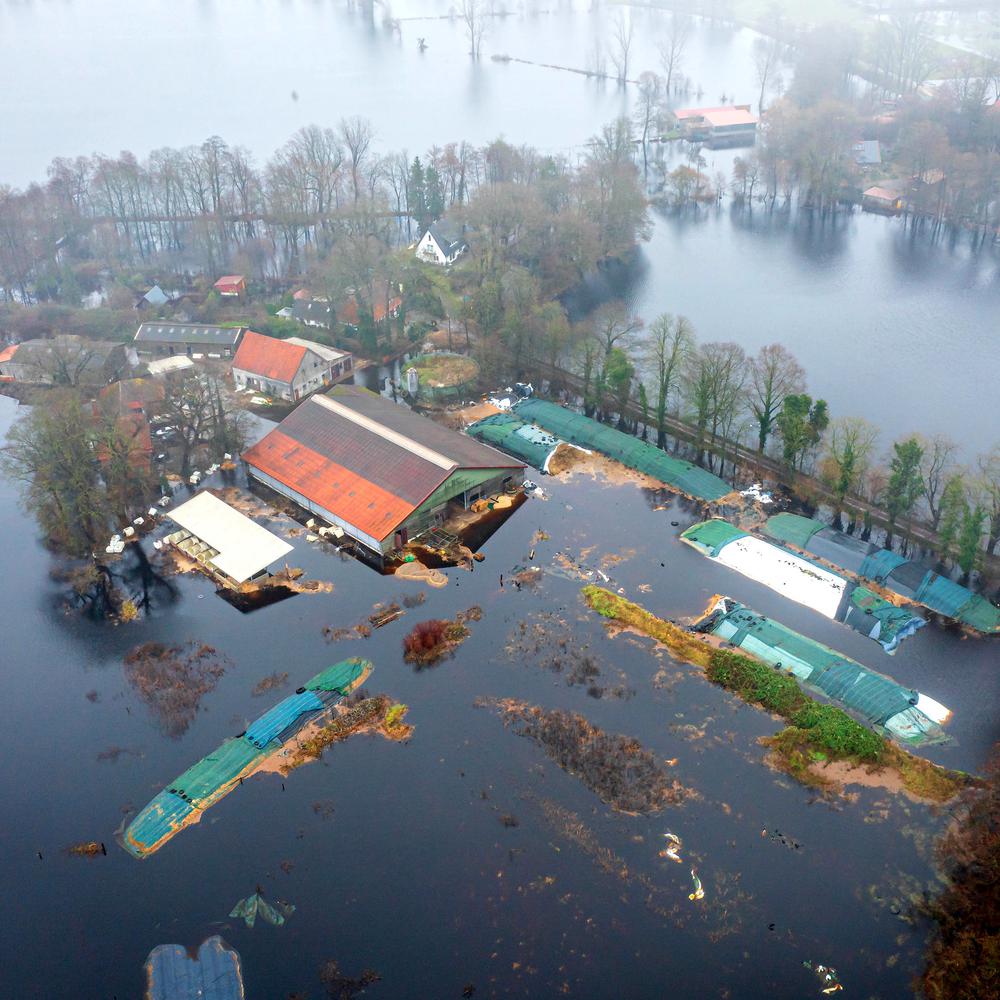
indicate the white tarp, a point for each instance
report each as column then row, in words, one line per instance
column 176, row 363
column 788, row 574
column 244, row 548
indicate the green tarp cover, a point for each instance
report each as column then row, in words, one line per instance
column 507, row 432
column 792, row 528
column 340, row 676
column 879, row 619
column 871, row 695
column 950, row 598
column 879, row 564
column 711, row 536
column 630, row 451
column 218, row 768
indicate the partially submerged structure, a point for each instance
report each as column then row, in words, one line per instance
column 213, row 973
column 805, row 581
column 898, row 712
column 729, row 125
column 911, row 580
column 584, row 432
column 526, row 441
column 226, row 544
column 186, row 798
column 376, row 469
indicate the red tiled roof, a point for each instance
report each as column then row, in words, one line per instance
column 231, row 282
column 8, row 352
column 368, row 507
column 302, row 293
column 348, row 312
column 268, row 357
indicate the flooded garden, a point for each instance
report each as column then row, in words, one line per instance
column 560, row 806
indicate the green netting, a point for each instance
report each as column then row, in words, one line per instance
column 514, row 436
column 630, row 451
column 869, row 694
column 711, row 536
column 211, row 773
column 792, row 528
column 340, row 677
column 952, row 599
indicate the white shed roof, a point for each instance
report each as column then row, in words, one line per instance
column 176, row 363
column 244, row 548
column 326, row 353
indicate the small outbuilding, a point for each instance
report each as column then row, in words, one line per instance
column 442, row 244
column 231, row 286
column 884, row 200
column 225, row 543
column 730, row 125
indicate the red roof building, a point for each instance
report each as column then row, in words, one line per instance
column 286, row 369
column 7, row 354
column 376, row 469
column 231, row 285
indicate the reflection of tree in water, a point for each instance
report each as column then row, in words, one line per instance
column 115, row 590
column 171, row 680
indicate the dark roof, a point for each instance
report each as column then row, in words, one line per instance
column 366, row 459
column 447, row 237
column 311, row 310
column 188, row 333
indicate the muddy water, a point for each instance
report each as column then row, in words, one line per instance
column 398, row 857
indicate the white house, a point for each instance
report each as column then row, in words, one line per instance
column 286, row 369
column 441, row 244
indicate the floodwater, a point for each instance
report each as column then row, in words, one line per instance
column 395, row 854
column 889, row 326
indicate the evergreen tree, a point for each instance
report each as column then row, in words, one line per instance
column 905, row 482
column 417, row 193
column 970, row 538
column 801, row 423
column 954, row 508
column 433, row 194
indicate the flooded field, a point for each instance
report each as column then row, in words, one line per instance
column 473, row 858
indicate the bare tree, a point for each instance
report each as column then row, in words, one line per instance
column 936, row 467
column 774, row 374
column 357, row 135
column 766, row 57
column 849, row 448
column 714, row 379
column 667, row 347
column 621, row 47
column 673, row 45
column 987, row 486
column 474, row 14
column 648, row 109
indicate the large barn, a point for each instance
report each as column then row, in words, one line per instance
column 376, row 469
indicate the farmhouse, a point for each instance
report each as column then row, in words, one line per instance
column 376, row 469
column 441, row 244
column 732, row 125
column 193, row 339
column 287, row 369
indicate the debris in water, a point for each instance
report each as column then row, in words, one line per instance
column 250, row 907
column 172, row 973
column 86, row 849
column 171, row 680
column 341, row 987
column 673, row 846
column 269, row 683
column 827, row 975
column 616, row 768
column 699, row 892
column 386, row 615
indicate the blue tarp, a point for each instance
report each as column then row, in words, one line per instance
column 172, row 974
column 278, row 719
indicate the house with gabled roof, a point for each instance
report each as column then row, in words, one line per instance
column 231, row 286
column 374, row 468
column 442, row 244
column 286, row 369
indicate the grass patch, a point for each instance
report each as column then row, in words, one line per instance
column 816, row 732
column 441, row 370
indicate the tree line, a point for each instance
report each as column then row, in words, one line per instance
column 761, row 402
